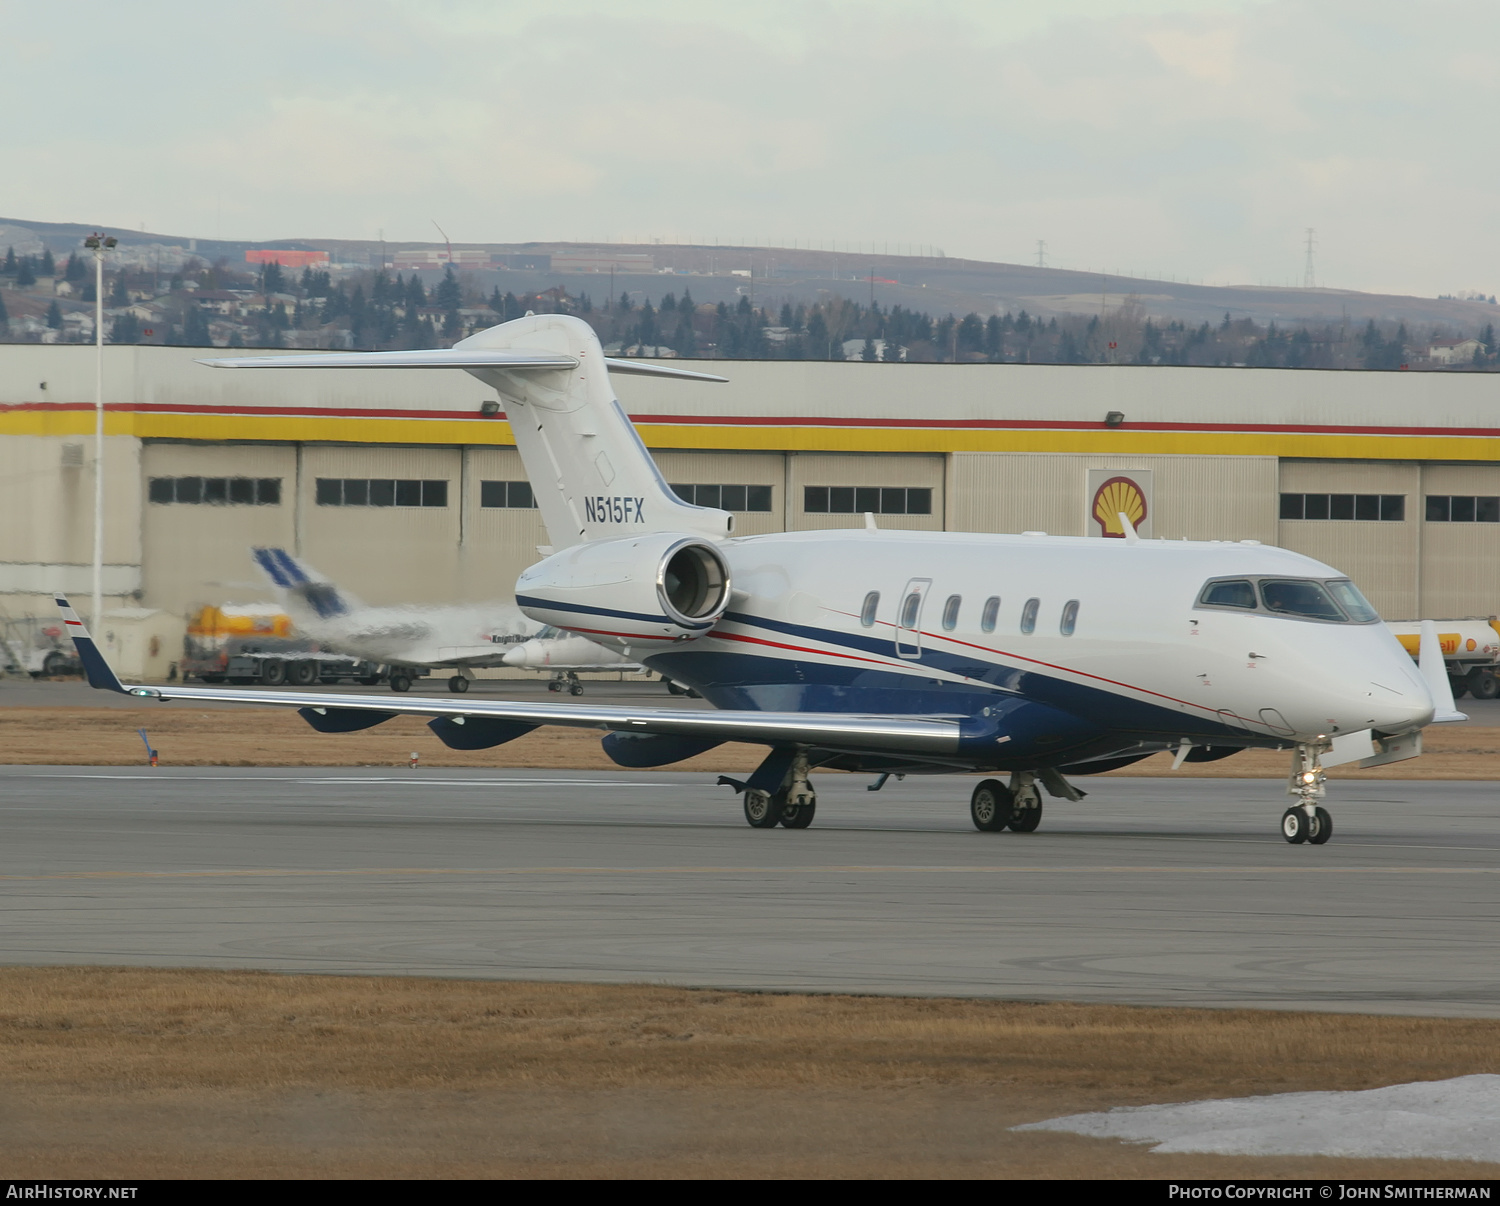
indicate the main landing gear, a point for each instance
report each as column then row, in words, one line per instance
column 1306, row 820
column 792, row 804
column 994, row 807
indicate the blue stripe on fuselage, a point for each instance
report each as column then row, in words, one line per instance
column 588, row 610
column 785, row 682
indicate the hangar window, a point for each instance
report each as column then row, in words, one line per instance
column 867, row 612
column 1390, row 508
column 1069, row 617
column 1028, row 615
column 990, row 613
column 380, row 492
column 515, row 495
column 950, row 612
column 1463, row 508
column 856, row 500
column 216, row 491
column 726, row 498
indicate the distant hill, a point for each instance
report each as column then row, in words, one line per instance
column 932, row 284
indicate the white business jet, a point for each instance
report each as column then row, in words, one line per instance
column 1035, row 657
column 412, row 639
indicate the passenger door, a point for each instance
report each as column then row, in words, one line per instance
column 909, row 618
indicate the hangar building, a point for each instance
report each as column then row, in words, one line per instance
column 399, row 486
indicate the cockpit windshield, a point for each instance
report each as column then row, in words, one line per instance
column 1335, row 602
column 1354, row 603
column 1296, row 597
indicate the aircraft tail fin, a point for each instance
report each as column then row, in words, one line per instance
column 291, row 576
column 591, row 475
column 99, row 672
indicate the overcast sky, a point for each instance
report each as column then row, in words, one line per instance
column 1197, row 139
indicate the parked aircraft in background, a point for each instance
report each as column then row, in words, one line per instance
column 565, row 655
column 1033, row 656
column 413, row 639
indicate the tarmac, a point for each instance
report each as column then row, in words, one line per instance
column 1158, row 892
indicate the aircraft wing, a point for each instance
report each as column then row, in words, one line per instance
column 335, row 712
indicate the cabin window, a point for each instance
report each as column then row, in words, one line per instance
column 1238, row 593
column 990, row 614
column 910, row 608
column 867, row 612
column 1069, row 617
column 950, row 612
column 1028, row 615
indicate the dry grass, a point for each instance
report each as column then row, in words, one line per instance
column 279, row 737
column 112, row 1072
column 185, row 736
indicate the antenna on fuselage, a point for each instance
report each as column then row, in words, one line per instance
column 1131, row 535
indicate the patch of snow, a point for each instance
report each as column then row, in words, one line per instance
column 1455, row 1119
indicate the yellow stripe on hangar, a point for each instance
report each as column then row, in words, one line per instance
column 763, row 438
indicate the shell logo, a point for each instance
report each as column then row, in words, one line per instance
column 1118, row 494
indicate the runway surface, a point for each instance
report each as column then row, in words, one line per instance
column 1171, row 892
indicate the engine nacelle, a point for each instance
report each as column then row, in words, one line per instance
column 663, row 587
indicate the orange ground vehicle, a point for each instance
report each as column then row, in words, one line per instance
column 255, row 642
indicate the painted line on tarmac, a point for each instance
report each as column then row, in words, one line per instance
column 345, row 781
column 837, row 869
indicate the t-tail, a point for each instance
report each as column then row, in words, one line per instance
column 290, row 575
column 590, row 473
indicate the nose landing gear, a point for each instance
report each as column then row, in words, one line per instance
column 1306, row 820
column 565, row 681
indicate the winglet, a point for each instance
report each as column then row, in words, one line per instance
column 1131, row 535
column 1434, row 673
column 100, row 675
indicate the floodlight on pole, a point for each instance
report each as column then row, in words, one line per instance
column 98, row 244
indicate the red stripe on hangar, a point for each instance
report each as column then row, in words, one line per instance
column 1050, row 425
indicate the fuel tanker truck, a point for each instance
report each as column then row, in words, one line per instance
column 256, row 643
column 1470, row 648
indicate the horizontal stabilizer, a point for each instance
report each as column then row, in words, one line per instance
column 343, row 720
column 463, row 358
column 428, row 358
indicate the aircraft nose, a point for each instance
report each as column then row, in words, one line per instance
column 515, row 656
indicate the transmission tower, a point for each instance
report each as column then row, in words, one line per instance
column 1309, row 277
column 1041, row 253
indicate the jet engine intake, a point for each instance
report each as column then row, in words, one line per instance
column 664, row 586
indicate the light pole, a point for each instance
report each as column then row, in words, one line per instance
column 98, row 244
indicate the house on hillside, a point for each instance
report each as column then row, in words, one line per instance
column 1453, row 351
